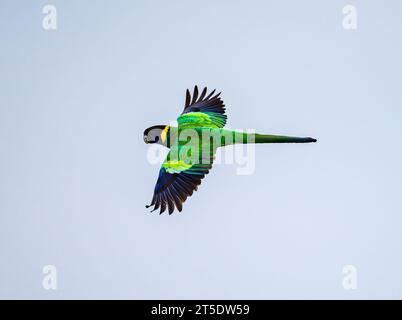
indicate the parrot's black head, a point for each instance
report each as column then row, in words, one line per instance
column 154, row 134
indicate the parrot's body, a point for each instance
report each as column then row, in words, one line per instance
column 193, row 146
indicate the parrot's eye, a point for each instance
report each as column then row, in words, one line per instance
column 147, row 139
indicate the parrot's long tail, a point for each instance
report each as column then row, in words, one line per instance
column 268, row 138
column 237, row 137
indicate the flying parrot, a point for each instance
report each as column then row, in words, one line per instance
column 190, row 159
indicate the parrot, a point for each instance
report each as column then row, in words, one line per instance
column 190, row 159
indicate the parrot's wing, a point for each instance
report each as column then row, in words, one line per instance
column 204, row 111
column 177, row 181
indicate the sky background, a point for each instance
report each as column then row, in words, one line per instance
column 74, row 176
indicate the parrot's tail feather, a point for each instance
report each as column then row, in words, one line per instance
column 268, row 138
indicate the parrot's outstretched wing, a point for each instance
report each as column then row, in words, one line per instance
column 203, row 111
column 176, row 182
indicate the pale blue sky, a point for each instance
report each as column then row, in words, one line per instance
column 74, row 178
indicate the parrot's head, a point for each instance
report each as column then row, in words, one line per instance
column 154, row 134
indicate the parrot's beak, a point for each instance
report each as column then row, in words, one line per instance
column 145, row 139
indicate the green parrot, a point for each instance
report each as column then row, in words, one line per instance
column 190, row 158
